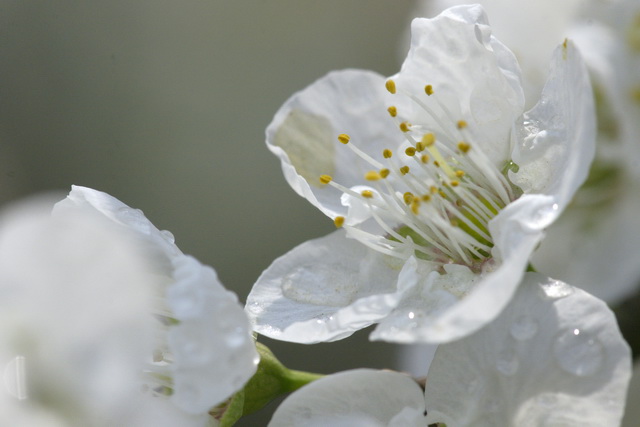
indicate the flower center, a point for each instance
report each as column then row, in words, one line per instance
column 432, row 199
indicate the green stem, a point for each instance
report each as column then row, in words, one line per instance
column 297, row 379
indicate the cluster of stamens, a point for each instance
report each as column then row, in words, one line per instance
column 435, row 198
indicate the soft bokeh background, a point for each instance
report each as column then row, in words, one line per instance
column 163, row 104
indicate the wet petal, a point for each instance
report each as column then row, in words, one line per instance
column 323, row 290
column 360, row 398
column 555, row 356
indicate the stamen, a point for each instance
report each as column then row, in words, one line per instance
column 372, row 176
column 387, row 153
column 464, row 147
column 367, row 193
column 411, row 151
column 325, row 179
column 391, row 86
column 404, row 170
column 344, row 138
column 404, row 126
column 393, row 111
column 338, row 221
column 461, row 124
column 384, row 172
column 428, row 89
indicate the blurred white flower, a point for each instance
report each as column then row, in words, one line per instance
column 554, row 356
column 600, row 228
column 108, row 318
column 442, row 188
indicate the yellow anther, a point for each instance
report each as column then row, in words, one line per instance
column 325, row 179
column 459, row 174
column 386, row 153
column 393, row 111
column 464, row 147
column 404, row 126
column 428, row 139
column 338, row 221
column 428, row 89
column 384, row 173
column 420, row 146
column 372, row 176
column 410, row 151
column 408, row 197
column 404, row 170
column 424, row 158
column 436, row 163
column 442, row 194
column 433, row 189
column 367, row 193
column 462, row 124
column 391, row 86
column 455, row 183
column 426, row 197
column 344, row 138
column 415, row 205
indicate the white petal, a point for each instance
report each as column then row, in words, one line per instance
column 213, row 350
column 472, row 74
column 555, row 356
column 212, row 326
column 556, row 144
column 459, row 302
column 323, row 290
column 75, row 295
column 602, row 240
column 303, row 134
column 359, row 398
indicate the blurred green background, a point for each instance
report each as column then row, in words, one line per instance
column 163, row 104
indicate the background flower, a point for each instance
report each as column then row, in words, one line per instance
column 554, row 356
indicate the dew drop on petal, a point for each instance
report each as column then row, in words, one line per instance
column 524, row 328
column 579, row 353
column 168, row 236
column 556, row 289
column 507, row 362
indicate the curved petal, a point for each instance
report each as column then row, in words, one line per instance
column 474, row 78
column 556, row 143
column 358, row 398
column 207, row 324
column 323, row 290
column 304, row 134
column 555, row 356
column 447, row 307
column 603, row 240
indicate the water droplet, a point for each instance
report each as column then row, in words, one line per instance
column 579, row 353
column 507, row 362
column 556, row 289
column 168, row 236
column 524, row 328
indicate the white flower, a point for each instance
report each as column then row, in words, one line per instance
column 442, row 187
column 75, row 296
column 553, row 357
column 204, row 350
column 599, row 228
column 85, row 298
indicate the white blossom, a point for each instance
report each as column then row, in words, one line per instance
column 442, row 185
column 554, row 357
